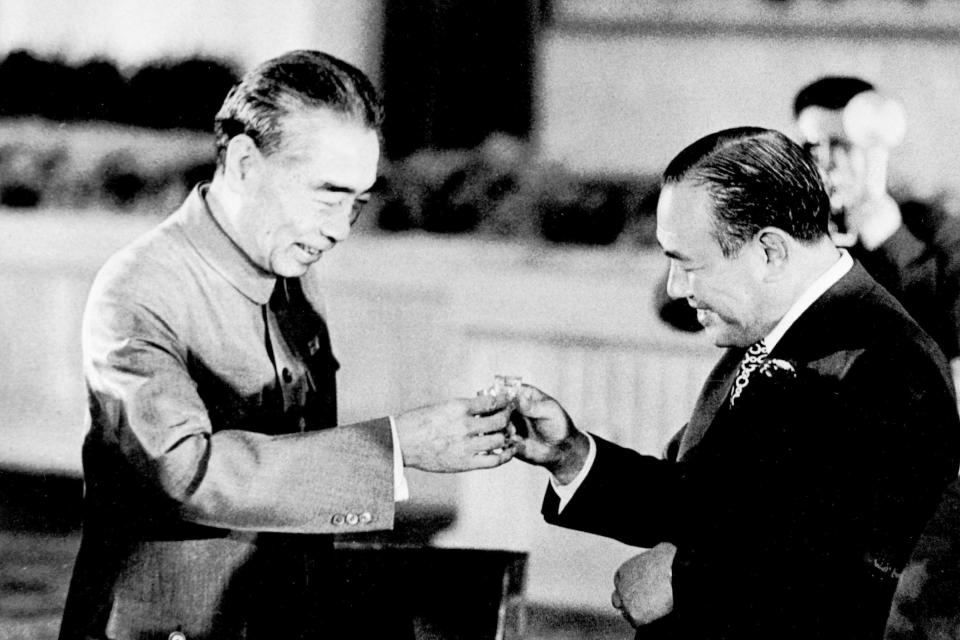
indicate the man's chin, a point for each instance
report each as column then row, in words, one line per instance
column 292, row 270
column 717, row 337
column 721, row 335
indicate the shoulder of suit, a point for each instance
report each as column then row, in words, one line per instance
column 154, row 270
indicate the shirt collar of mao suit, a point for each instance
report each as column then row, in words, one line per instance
column 220, row 251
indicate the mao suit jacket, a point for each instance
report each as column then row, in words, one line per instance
column 213, row 471
column 792, row 510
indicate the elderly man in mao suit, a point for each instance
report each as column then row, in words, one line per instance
column 214, row 467
column 787, row 505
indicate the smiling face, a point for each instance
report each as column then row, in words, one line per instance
column 300, row 200
column 726, row 292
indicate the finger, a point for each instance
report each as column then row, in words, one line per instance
column 533, row 403
column 486, row 404
column 489, row 442
column 495, row 458
column 530, row 394
column 524, row 449
column 519, row 425
column 488, row 424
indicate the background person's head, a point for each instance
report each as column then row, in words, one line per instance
column 298, row 144
column 743, row 217
column 819, row 112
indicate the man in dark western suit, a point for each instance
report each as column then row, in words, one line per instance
column 213, row 471
column 911, row 247
column 820, row 441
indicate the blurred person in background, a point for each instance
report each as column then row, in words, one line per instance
column 913, row 249
column 818, row 447
column 213, row 471
column 910, row 247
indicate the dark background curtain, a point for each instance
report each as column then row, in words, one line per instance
column 455, row 71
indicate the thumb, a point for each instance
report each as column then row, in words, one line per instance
column 533, row 403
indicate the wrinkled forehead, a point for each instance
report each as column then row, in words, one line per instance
column 327, row 149
column 819, row 125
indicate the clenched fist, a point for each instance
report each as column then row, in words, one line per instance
column 643, row 591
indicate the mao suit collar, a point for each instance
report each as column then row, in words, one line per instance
column 220, row 251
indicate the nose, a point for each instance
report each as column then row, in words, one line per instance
column 678, row 284
column 837, row 160
column 821, row 156
column 336, row 226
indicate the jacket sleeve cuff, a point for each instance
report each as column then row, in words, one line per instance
column 566, row 491
column 401, row 490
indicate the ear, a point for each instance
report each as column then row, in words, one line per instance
column 776, row 248
column 241, row 159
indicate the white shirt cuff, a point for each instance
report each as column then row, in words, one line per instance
column 401, row 491
column 565, row 491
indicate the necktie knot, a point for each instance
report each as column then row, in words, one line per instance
column 753, row 359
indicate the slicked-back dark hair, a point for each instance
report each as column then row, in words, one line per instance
column 756, row 178
column 297, row 80
column 829, row 92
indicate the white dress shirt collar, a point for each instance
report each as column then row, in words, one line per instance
column 829, row 278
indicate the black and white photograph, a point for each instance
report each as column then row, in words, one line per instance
column 479, row 319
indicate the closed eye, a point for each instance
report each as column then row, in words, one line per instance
column 356, row 205
column 357, row 208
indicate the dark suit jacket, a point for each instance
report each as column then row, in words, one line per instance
column 920, row 266
column 210, row 486
column 792, row 510
column 926, row 605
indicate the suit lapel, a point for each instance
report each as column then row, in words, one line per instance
column 814, row 335
column 711, row 400
column 808, row 339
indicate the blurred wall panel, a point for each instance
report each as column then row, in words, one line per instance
column 47, row 263
column 247, row 31
column 456, row 71
column 630, row 96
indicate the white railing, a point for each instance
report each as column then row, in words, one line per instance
column 414, row 319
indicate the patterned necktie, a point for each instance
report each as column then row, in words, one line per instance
column 755, row 356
